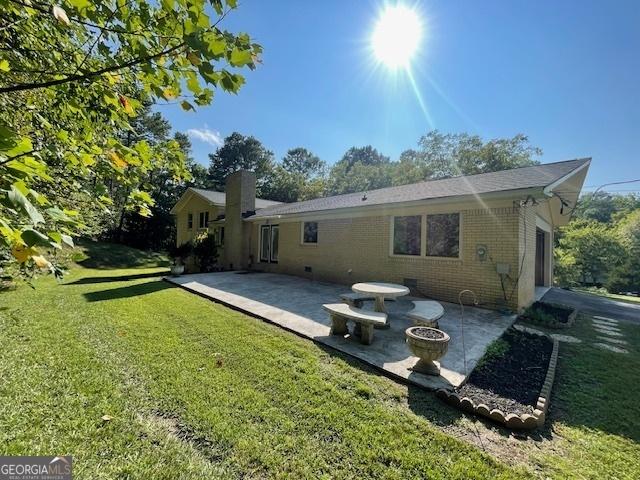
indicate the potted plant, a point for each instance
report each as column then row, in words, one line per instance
column 428, row 344
column 179, row 254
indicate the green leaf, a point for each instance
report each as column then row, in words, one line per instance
column 240, row 58
column 210, row 76
column 80, row 4
column 22, row 146
column 231, row 82
column 33, row 237
column 7, row 138
column 205, row 97
column 216, row 45
column 187, row 106
column 55, row 236
column 4, row 65
column 192, row 83
column 68, row 241
column 58, row 215
column 17, row 198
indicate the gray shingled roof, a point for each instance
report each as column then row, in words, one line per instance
column 537, row 176
column 220, row 198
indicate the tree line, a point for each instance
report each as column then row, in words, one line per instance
column 600, row 247
column 302, row 175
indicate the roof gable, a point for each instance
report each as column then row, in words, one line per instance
column 214, row 198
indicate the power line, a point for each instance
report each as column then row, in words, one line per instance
column 564, row 203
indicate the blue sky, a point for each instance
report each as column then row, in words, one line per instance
column 566, row 73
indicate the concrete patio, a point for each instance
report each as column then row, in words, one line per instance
column 296, row 304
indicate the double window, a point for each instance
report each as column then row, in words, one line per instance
column 204, row 220
column 433, row 235
column 269, row 237
column 310, row 233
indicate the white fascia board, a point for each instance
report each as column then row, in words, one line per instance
column 548, row 190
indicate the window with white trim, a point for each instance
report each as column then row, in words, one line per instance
column 189, row 221
column 204, row 220
column 407, row 233
column 443, row 235
column 310, row 232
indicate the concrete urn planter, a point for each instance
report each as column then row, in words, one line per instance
column 177, row 270
column 429, row 345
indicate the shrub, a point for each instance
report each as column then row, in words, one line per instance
column 595, row 247
column 565, row 271
column 205, row 252
column 180, row 253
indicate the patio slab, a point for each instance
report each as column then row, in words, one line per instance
column 296, row 304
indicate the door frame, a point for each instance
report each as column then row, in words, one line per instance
column 546, row 255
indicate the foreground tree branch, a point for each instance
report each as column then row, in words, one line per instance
column 89, row 75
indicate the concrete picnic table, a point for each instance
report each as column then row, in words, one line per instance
column 380, row 291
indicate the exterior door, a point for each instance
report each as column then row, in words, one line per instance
column 540, row 254
column 269, row 238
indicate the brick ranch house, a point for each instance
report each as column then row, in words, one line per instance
column 491, row 233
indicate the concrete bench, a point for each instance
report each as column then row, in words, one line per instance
column 426, row 313
column 365, row 320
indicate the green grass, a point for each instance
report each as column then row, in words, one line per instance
column 613, row 296
column 196, row 390
column 594, row 418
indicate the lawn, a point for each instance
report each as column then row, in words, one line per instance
column 613, row 296
column 195, row 390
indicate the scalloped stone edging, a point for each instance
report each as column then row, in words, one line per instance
column 525, row 421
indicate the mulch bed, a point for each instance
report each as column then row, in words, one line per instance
column 511, row 382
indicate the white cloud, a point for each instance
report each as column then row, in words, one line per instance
column 206, row 135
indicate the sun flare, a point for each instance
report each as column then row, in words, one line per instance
column 396, row 36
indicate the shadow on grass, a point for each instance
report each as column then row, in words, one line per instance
column 425, row 404
column 129, row 291
column 420, row 401
column 100, row 255
column 116, row 278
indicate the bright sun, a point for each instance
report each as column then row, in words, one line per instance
column 396, row 36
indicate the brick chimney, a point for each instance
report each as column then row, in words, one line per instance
column 240, row 200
